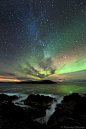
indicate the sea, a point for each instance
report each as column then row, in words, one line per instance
column 57, row 91
column 60, row 89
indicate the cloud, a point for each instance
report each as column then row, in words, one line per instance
column 23, row 78
column 7, row 77
column 40, row 75
column 31, row 68
column 46, row 64
column 7, row 74
column 53, row 71
column 10, row 74
column 12, row 77
column 27, row 71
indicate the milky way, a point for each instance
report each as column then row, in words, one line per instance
column 42, row 39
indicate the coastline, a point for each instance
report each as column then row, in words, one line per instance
column 69, row 111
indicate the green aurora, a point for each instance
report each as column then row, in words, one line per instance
column 43, row 40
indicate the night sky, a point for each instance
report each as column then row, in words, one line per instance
column 42, row 39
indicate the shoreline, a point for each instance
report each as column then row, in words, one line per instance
column 42, row 111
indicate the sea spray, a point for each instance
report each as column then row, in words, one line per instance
column 20, row 100
column 50, row 111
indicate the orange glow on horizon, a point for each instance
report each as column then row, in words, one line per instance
column 9, row 79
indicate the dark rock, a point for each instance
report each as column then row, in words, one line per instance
column 35, row 112
column 82, row 119
column 63, row 112
column 75, row 97
column 8, row 109
column 39, row 104
column 4, row 97
column 40, row 99
column 71, row 111
column 79, row 100
column 63, row 122
column 15, row 117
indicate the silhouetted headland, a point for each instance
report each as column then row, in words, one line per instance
column 37, row 82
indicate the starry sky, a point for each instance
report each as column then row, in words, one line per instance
column 43, row 39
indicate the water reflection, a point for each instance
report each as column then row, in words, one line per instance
column 54, row 89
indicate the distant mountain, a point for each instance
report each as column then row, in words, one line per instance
column 37, row 82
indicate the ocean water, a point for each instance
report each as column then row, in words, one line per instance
column 60, row 89
column 57, row 91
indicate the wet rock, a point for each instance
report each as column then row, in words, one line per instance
column 35, row 112
column 8, row 109
column 40, row 99
column 39, row 104
column 4, row 97
column 63, row 112
column 75, row 97
column 71, row 111
column 15, row 117
column 79, row 100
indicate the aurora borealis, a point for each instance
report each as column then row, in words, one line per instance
column 42, row 39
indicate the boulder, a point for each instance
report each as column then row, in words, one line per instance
column 15, row 117
column 36, row 113
column 39, row 102
column 63, row 112
column 41, row 99
column 4, row 97
column 71, row 111
column 8, row 109
column 75, row 97
column 79, row 100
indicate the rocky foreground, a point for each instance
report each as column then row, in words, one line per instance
column 71, row 112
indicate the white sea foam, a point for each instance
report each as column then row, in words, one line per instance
column 50, row 111
column 20, row 102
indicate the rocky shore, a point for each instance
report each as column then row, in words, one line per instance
column 70, row 112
